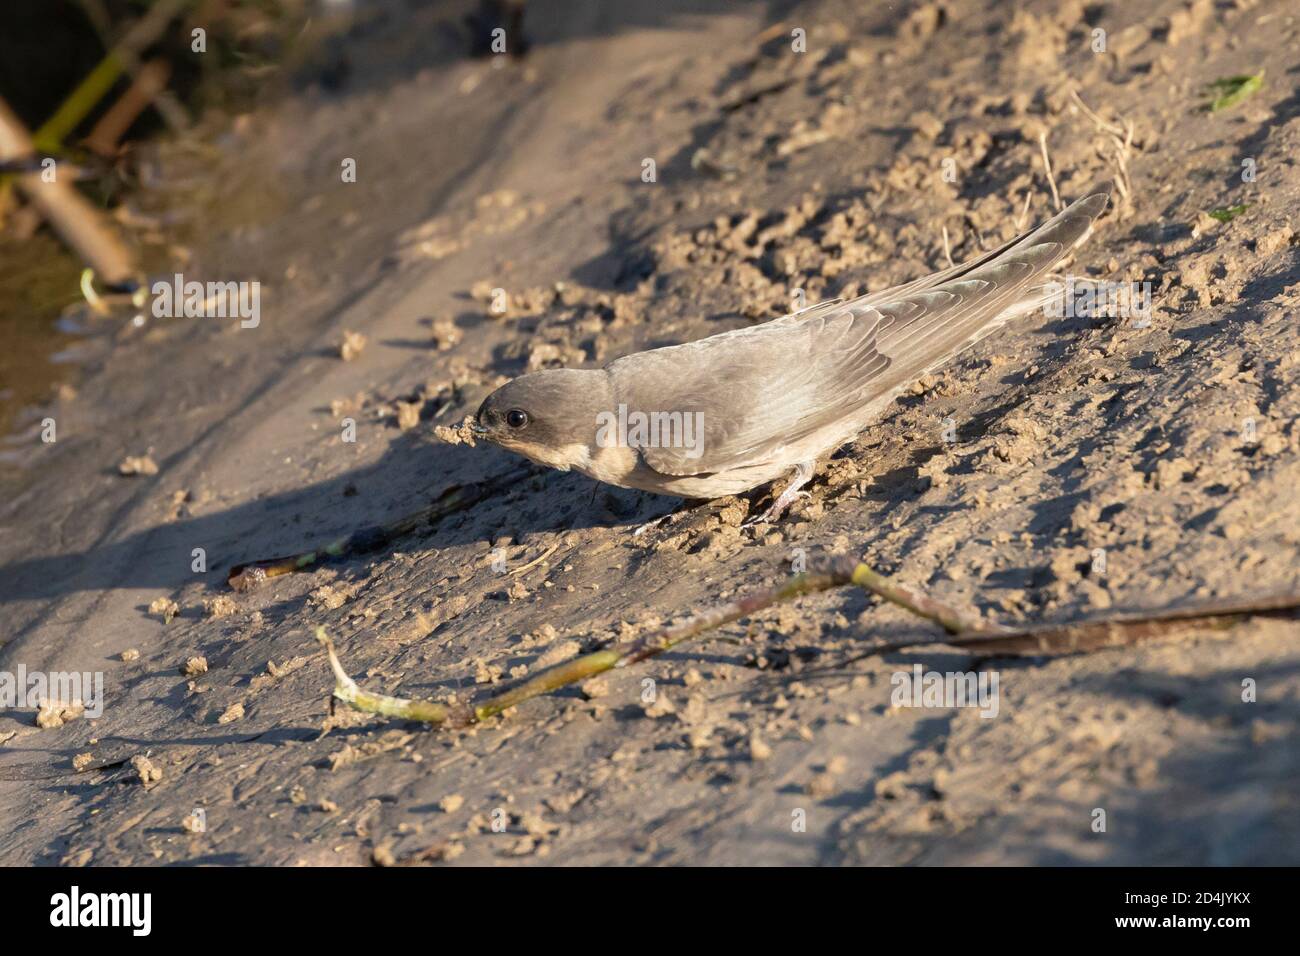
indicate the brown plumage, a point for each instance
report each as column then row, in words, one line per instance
column 748, row 406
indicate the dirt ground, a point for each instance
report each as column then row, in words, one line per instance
column 1172, row 447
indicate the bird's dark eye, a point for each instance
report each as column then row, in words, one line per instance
column 516, row 418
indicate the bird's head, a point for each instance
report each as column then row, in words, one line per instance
column 548, row 416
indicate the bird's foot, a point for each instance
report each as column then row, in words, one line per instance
column 777, row 508
column 662, row 519
column 802, row 474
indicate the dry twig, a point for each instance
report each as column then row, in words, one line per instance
column 969, row 632
column 1047, row 165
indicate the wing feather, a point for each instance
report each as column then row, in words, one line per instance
column 761, row 388
column 754, row 389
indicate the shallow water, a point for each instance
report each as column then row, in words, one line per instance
column 38, row 280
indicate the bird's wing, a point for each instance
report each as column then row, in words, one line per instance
column 1063, row 228
column 753, row 390
column 828, row 307
column 927, row 322
column 764, row 387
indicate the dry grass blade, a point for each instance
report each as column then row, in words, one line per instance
column 1047, row 166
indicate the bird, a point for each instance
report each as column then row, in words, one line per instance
column 725, row 414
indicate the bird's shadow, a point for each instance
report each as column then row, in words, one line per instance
column 411, row 474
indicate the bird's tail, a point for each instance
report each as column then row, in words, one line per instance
column 928, row 321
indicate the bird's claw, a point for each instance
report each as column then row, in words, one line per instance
column 777, row 509
column 650, row 525
column 643, row 528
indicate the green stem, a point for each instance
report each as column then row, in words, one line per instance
column 838, row 574
column 971, row 633
column 949, row 618
column 346, row 690
column 49, row 138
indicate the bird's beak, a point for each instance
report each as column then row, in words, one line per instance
column 477, row 429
